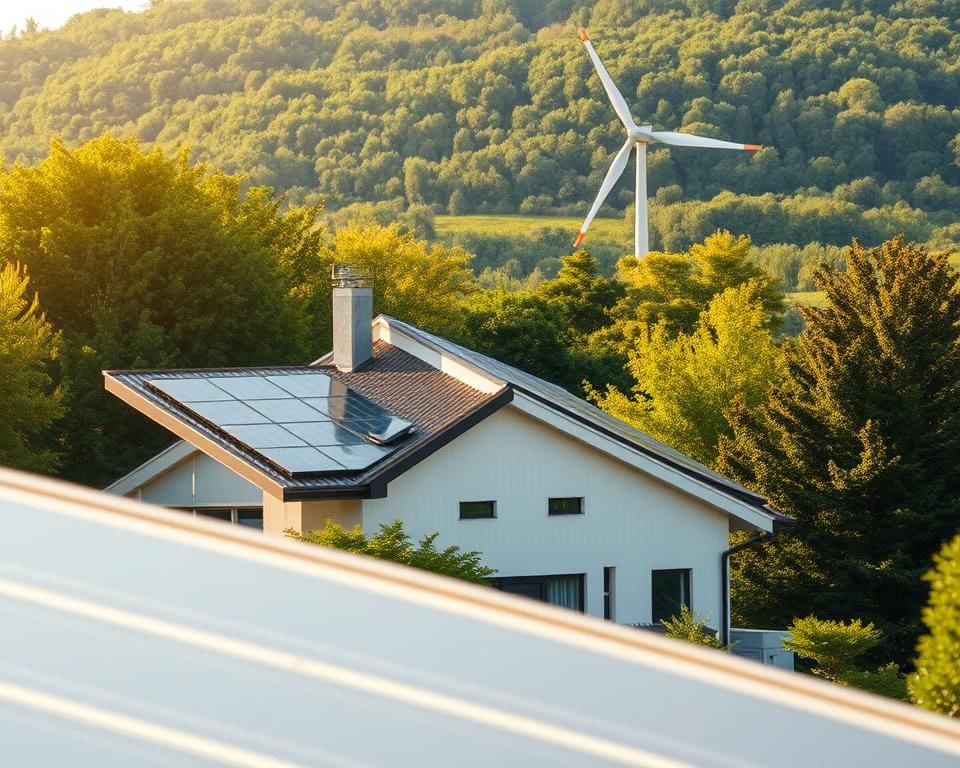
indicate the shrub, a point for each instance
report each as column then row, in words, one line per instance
column 690, row 627
column 393, row 543
column 936, row 683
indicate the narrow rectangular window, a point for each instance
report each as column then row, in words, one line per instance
column 671, row 589
column 608, row 592
column 572, row 505
column 477, row 510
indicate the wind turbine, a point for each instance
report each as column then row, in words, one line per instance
column 638, row 136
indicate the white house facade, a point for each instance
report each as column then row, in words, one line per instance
column 567, row 504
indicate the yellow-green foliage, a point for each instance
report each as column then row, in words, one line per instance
column 419, row 283
column 393, row 543
column 691, row 628
column 832, row 645
column 684, row 383
column 29, row 402
column 936, row 683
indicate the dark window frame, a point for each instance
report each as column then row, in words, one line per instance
column 541, row 582
column 609, row 592
column 552, row 513
column 686, row 597
column 491, row 516
column 227, row 514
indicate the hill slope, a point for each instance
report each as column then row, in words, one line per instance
column 492, row 105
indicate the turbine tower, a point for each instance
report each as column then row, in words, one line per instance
column 638, row 136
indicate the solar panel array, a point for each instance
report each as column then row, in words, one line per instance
column 302, row 422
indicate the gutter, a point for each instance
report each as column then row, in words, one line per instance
column 778, row 526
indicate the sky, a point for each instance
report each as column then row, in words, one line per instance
column 53, row 13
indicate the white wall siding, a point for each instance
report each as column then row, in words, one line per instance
column 631, row 521
column 201, row 481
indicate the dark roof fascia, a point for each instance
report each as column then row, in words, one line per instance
column 327, row 494
column 378, row 484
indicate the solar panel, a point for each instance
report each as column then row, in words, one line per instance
column 302, row 461
column 358, row 456
column 303, row 384
column 302, row 422
column 228, row 412
column 189, row 390
column 291, row 410
column 319, row 433
column 265, row 436
column 249, row 387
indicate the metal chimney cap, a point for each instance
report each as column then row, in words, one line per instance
column 345, row 276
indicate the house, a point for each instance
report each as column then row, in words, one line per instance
column 140, row 636
column 568, row 504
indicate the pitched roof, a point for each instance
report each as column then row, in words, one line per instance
column 439, row 406
column 412, row 381
column 560, row 399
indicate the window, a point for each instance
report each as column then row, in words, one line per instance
column 608, row 579
column 566, row 506
column 477, row 510
column 564, row 590
column 671, row 589
column 251, row 517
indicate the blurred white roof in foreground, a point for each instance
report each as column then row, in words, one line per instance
column 136, row 636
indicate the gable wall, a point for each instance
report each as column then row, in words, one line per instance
column 632, row 521
column 200, row 481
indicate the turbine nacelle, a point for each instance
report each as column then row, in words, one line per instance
column 641, row 134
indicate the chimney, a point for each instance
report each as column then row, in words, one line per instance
column 352, row 316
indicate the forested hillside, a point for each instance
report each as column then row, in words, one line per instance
column 492, row 105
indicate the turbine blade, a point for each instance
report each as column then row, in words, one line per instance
column 613, row 93
column 613, row 173
column 689, row 140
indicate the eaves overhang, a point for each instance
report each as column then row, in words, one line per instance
column 370, row 483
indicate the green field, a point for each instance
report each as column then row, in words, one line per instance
column 519, row 225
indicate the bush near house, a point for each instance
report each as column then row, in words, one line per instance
column 690, row 627
column 393, row 543
column 833, row 646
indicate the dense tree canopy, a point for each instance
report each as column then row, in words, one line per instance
column 144, row 260
column 685, row 383
column 861, row 444
column 29, row 402
column 485, row 106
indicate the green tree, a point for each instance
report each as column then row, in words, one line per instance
column 521, row 329
column 676, row 287
column 860, row 443
column 29, row 402
column 584, row 297
column 936, row 682
column 419, row 283
column 393, row 543
column 144, row 260
column 831, row 645
column 685, row 384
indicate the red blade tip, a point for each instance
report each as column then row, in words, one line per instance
column 752, row 147
column 580, row 236
column 583, row 34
